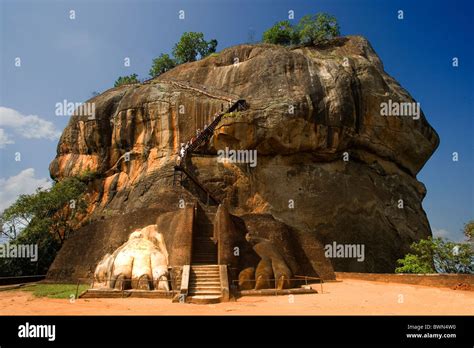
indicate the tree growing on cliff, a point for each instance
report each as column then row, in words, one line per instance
column 192, row 44
column 311, row 29
column 44, row 218
column 282, row 33
column 437, row 255
column 314, row 29
column 161, row 64
column 124, row 80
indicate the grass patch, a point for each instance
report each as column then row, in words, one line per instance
column 55, row 290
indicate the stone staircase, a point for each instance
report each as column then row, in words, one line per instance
column 204, row 250
column 204, row 284
column 204, row 281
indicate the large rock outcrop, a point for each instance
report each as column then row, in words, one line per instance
column 329, row 167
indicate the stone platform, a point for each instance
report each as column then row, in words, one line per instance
column 107, row 293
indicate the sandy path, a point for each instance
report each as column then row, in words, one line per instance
column 354, row 297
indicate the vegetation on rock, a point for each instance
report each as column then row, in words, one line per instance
column 125, row 80
column 191, row 45
column 282, row 33
column 161, row 65
column 311, row 29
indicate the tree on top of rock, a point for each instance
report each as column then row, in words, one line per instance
column 317, row 28
column 192, row 44
column 125, row 80
column 282, row 33
column 311, row 29
column 161, row 65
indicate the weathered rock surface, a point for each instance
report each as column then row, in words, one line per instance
column 307, row 107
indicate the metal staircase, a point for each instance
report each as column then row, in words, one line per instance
column 204, row 281
column 181, row 171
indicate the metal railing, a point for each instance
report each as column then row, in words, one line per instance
column 297, row 278
column 21, row 279
column 171, row 293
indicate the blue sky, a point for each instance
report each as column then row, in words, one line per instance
column 69, row 59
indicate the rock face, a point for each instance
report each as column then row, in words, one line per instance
column 330, row 168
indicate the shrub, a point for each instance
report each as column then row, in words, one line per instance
column 125, row 80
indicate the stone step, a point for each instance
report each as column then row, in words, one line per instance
column 209, row 251
column 199, row 284
column 204, row 241
column 204, row 225
column 210, row 282
column 204, row 273
column 216, row 289
column 204, row 292
column 204, row 232
column 204, row 236
column 206, row 279
column 203, row 261
column 203, row 254
column 204, row 299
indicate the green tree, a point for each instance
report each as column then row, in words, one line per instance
column 282, row 33
column 313, row 29
column 45, row 218
column 468, row 231
column 124, row 80
column 192, row 44
column 437, row 255
column 161, row 64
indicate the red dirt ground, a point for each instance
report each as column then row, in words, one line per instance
column 350, row 297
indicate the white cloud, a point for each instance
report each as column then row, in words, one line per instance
column 22, row 183
column 439, row 232
column 4, row 139
column 27, row 126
